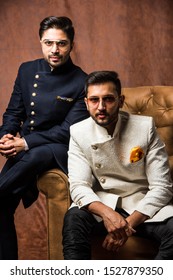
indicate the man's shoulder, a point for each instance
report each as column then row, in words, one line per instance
column 77, row 67
column 78, row 72
column 82, row 125
column 135, row 118
column 32, row 63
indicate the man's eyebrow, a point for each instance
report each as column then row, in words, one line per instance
column 57, row 40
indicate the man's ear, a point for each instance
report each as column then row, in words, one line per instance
column 86, row 103
column 72, row 45
column 121, row 101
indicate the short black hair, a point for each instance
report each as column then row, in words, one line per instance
column 63, row 23
column 100, row 77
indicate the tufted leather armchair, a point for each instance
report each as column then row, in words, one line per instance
column 156, row 101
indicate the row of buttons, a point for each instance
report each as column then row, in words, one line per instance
column 32, row 103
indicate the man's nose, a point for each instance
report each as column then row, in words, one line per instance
column 101, row 104
column 55, row 48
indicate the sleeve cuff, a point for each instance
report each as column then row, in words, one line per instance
column 26, row 145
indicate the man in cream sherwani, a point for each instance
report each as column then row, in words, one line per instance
column 118, row 173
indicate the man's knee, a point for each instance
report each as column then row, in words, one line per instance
column 76, row 234
column 75, row 216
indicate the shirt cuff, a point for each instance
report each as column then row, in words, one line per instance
column 26, row 145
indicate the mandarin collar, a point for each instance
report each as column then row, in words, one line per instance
column 64, row 68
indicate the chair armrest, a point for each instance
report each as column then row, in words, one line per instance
column 54, row 185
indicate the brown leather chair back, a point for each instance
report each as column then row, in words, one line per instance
column 155, row 101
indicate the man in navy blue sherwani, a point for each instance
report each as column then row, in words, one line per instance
column 47, row 98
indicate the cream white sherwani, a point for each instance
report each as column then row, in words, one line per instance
column 144, row 185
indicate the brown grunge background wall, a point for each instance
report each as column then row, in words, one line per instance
column 132, row 37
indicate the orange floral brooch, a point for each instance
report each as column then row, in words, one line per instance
column 136, row 154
